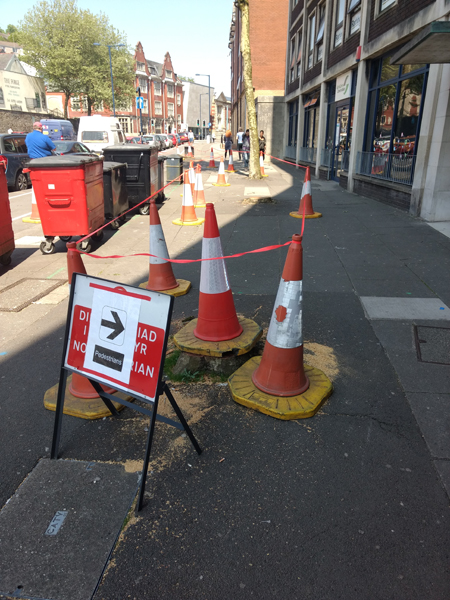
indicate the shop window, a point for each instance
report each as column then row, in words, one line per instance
column 311, row 129
column 293, row 123
column 339, row 23
column 388, row 71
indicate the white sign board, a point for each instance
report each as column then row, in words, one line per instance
column 343, row 86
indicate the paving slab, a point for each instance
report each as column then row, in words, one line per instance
column 405, row 308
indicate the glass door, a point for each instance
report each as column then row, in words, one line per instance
column 340, row 142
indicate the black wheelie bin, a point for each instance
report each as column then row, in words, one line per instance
column 142, row 170
column 115, row 192
column 174, row 168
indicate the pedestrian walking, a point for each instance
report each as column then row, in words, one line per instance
column 190, row 137
column 239, row 136
column 38, row 144
column 221, row 141
column 262, row 143
column 246, row 147
column 228, row 142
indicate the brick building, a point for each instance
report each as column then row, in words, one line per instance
column 358, row 119
column 268, row 24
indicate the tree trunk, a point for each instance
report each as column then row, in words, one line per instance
column 254, row 168
column 66, row 104
column 89, row 103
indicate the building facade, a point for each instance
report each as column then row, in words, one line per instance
column 268, row 25
column 354, row 115
column 197, row 101
column 221, row 110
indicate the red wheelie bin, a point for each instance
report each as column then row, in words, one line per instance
column 6, row 231
column 69, row 195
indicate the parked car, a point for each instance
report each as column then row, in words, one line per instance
column 162, row 139
column 97, row 132
column 177, row 135
column 173, row 137
column 13, row 151
column 58, row 129
column 72, row 147
column 167, row 140
column 184, row 136
column 146, row 139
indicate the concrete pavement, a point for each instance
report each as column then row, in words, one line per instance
column 350, row 504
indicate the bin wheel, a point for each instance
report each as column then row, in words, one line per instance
column 85, row 246
column 115, row 224
column 145, row 209
column 65, row 238
column 47, row 248
column 98, row 236
column 5, row 259
column 122, row 219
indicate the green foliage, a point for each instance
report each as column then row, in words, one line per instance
column 182, row 78
column 58, row 37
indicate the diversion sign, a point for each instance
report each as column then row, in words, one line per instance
column 117, row 334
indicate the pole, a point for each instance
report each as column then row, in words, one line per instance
column 209, row 104
column 200, row 117
column 112, row 82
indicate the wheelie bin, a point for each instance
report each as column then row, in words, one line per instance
column 142, row 170
column 69, row 195
column 174, row 168
column 161, row 179
column 115, row 193
column 6, row 231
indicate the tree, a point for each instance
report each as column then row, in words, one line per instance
column 182, row 78
column 254, row 168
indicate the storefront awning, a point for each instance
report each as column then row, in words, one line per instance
column 311, row 102
column 431, row 45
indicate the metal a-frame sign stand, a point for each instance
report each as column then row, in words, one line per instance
column 117, row 335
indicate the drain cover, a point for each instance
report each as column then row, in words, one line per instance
column 17, row 296
column 433, row 344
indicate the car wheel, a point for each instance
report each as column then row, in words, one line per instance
column 21, row 182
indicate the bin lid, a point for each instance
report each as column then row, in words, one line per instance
column 174, row 159
column 109, row 165
column 66, row 160
column 129, row 148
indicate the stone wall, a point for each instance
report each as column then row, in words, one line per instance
column 271, row 115
column 19, row 121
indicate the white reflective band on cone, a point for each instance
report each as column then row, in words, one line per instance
column 199, row 182
column 157, row 245
column 287, row 332
column 33, row 196
column 213, row 276
column 261, row 160
column 306, row 188
column 187, row 195
column 221, row 167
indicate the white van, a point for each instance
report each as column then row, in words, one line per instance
column 97, row 132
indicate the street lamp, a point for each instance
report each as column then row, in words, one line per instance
column 110, row 67
column 201, row 111
column 209, row 95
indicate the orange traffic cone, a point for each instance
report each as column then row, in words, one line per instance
column 217, row 319
column 281, row 371
column 190, row 153
column 230, row 164
column 188, row 216
column 192, row 176
column 211, row 160
column 74, row 261
column 34, row 217
column 306, row 201
column 221, row 181
column 199, row 193
column 261, row 165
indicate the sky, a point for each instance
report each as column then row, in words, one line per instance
column 194, row 32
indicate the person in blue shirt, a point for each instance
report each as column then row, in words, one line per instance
column 38, row 144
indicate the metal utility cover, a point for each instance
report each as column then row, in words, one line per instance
column 17, row 296
column 433, row 344
column 67, row 564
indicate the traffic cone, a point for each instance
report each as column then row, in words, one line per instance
column 190, row 153
column 199, row 193
column 281, row 371
column 74, row 261
column 160, row 275
column 221, row 181
column 306, row 201
column 211, row 160
column 230, row 164
column 261, row 165
column 192, row 176
column 34, row 217
column 188, row 216
column 217, row 319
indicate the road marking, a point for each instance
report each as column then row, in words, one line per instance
column 21, row 217
column 18, row 195
column 56, row 272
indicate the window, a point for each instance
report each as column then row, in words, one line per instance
column 168, row 74
column 157, row 88
column 292, row 63
column 169, row 90
column 311, row 130
column 158, row 108
column 140, row 66
column 386, row 4
column 294, row 3
column 339, row 23
column 299, row 56
column 44, row 104
column 143, row 85
column 75, row 103
column 153, row 71
column 38, row 100
column 178, row 99
column 179, row 119
column 170, row 109
column 312, row 29
column 124, row 122
column 320, row 32
column 293, row 123
column 145, row 107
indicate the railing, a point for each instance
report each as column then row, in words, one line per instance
column 291, row 152
column 345, row 159
column 325, row 158
column 307, row 154
column 398, row 168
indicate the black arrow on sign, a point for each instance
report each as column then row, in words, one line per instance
column 115, row 325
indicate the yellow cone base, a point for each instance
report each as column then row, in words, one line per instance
column 297, row 215
column 180, row 222
column 228, row 171
column 85, row 408
column 30, row 220
column 199, row 205
column 183, row 287
column 221, row 184
column 302, row 406
column 185, row 340
column 264, row 175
